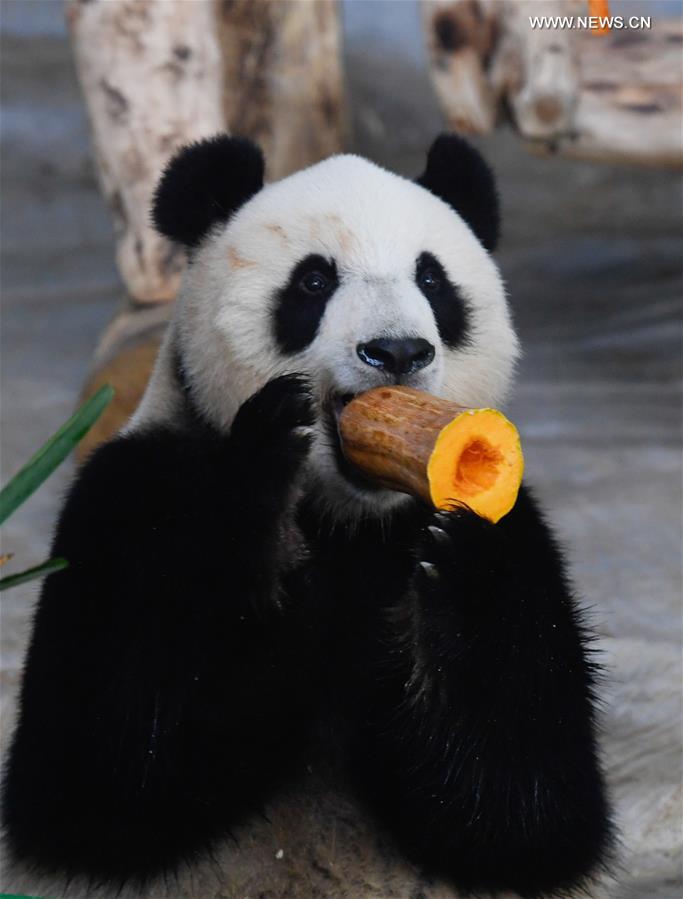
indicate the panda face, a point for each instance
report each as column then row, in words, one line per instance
column 357, row 278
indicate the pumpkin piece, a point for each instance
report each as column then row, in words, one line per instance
column 416, row 443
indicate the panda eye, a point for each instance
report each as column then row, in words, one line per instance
column 315, row 282
column 429, row 280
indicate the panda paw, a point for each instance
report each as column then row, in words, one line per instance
column 458, row 556
column 271, row 428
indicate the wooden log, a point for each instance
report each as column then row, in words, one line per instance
column 486, row 59
column 630, row 106
column 442, row 453
column 614, row 96
column 282, row 78
column 535, row 71
column 151, row 78
column 124, row 358
column 461, row 37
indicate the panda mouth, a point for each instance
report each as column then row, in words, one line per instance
column 340, row 401
column 333, row 408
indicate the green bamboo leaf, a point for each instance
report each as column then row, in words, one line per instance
column 53, row 453
column 12, row 580
column 17, row 896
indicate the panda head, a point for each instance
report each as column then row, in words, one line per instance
column 343, row 271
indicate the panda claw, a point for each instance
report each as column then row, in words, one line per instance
column 439, row 536
column 429, row 570
column 446, row 518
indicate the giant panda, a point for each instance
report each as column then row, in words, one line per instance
column 242, row 608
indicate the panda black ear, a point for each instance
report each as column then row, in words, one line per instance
column 459, row 175
column 206, row 183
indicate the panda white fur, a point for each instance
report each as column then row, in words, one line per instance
column 238, row 599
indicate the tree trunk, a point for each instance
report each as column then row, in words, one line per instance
column 150, row 74
column 282, row 78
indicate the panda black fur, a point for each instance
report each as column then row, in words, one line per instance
column 234, row 591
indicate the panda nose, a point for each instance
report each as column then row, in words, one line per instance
column 400, row 356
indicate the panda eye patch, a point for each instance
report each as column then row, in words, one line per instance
column 300, row 303
column 448, row 306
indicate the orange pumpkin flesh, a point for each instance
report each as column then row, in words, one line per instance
column 477, row 458
column 420, row 444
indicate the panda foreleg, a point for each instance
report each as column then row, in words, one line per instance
column 166, row 683
column 482, row 745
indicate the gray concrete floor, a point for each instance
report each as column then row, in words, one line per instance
column 591, row 255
